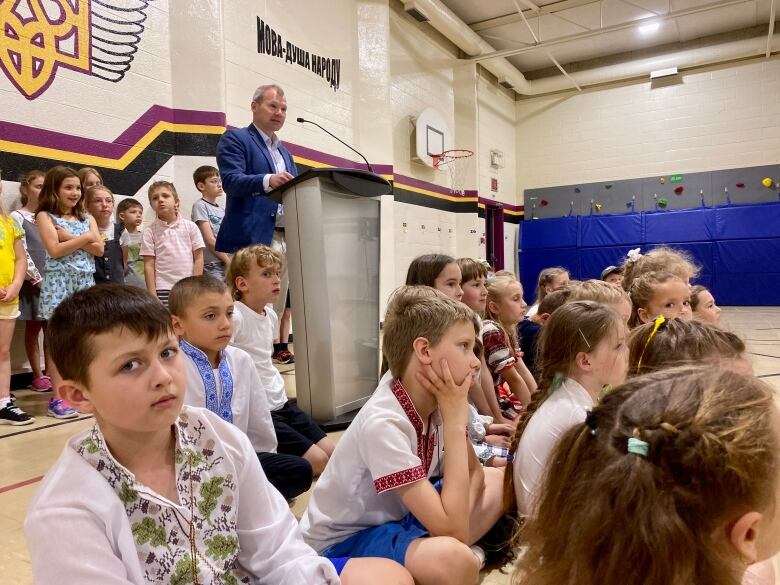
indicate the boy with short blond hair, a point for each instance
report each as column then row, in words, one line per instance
column 131, row 213
column 154, row 492
column 208, row 216
column 172, row 247
column 409, row 432
column 223, row 379
column 253, row 277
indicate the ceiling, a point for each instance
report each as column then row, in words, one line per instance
column 585, row 33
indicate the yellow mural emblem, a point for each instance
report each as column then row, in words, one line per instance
column 35, row 40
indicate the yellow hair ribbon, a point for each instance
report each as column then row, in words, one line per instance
column 660, row 320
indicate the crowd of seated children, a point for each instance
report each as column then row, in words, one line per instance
column 378, row 495
column 224, row 380
column 582, row 352
column 253, row 278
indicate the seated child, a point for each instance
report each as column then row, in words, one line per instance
column 612, row 275
column 172, row 247
column 253, row 278
column 438, row 271
column 600, row 292
column 582, row 352
column 224, row 380
column 131, row 213
column 550, row 279
column 703, row 306
column 666, row 343
column 154, row 492
column 208, row 215
column 660, row 259
column 671, row 480
column 411, row 426
column 109, row 267
column 658, row 293
column 528, row 329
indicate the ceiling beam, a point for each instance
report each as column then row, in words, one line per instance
column 771, row 29
column 607, row 29
column 515, row 17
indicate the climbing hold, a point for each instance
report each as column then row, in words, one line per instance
column 630, row 204
column 544, row 203
column 662, row 203
column 740, row 185
column 767, row 183
column 608, row 186
column 662, row 180
column 598, row 206
column 679, row 190
column 577, row 190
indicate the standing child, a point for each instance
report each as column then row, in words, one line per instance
column 658, row 293
column 131, row 213
column 99, row 201
column 512, row 381
column 208, row 216
column 672, row 480
column 253, row 277
column 703, row 307
column 172, row 247
column 30, row 186
column 72, row 240
column 550, row 279
column 13, row 268
column 376, row 497
column 582, row 351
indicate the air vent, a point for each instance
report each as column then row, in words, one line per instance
column 413, row 10
column 504, row 82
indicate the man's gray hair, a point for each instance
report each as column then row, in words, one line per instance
column 260, row 92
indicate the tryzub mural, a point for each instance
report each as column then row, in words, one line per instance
column 95, row 37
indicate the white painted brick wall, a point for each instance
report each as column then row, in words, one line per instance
column 724, row 117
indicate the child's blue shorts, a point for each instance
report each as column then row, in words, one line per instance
column 339, row 563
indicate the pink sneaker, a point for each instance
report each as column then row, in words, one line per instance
column 41, row 384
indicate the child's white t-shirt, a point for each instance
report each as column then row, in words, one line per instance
column 254, row 333
column 248, row 406
column 565, row 408
column 387, row 446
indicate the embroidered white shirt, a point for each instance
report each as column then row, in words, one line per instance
column 104, row 535
column 254, row 333
column 249, row 405
column 387, row 446
column 566, row 407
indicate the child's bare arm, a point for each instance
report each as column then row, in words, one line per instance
column 526, row 375
column 20, row 271
column 197, row 262
column 124, row 257
column 211, row 240
column 96, row 245
column 443, row 514
column 517, row 384
column 149, row 275
column 486, row 381
column 50, row 239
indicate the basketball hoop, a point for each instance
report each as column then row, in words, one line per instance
column 454, row 162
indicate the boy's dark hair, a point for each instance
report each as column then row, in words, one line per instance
column 188, row 289
column 203, row 173
column 126, row 204
column 101, row 309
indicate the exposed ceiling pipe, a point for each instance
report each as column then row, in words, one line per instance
column 448, row 24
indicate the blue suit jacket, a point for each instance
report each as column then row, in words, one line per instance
column 243, row 159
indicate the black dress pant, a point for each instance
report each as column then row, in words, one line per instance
column 289, row 474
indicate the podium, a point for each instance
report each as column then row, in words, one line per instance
column 332, row 231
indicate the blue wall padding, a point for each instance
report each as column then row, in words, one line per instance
column 747, row 221
column 559, row 232
column 737, row 247
column 594, row 260
column 691, row 225
column 532, row 262
column 610, row 230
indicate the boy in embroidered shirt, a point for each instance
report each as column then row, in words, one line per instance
column 131, row 213
column 224, row 380
column 153, row 492
column 208, row 215
column 411, row 425
column 253, row 278
column 172, row 247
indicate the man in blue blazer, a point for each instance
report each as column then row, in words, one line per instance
column 252, row 161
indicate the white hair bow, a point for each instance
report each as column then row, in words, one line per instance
column 634, row 255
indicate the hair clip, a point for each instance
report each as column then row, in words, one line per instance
column 585, row 339
column 510, row 458
column 660, row 320
column 638, row 447
column 590, row 421
column 633, row 255
column 557, row 381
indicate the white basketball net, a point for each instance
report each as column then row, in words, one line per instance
column 454, row 163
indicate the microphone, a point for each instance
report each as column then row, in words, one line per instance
column 302, row 121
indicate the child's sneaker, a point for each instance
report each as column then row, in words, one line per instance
column 41, row 384
column 11, row 414
column 283, row 357
column 60, row 409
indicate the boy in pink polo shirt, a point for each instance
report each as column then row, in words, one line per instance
column 172, row 247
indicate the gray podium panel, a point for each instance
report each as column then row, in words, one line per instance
column 333, row 263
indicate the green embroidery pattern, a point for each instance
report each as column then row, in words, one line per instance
column 221, row 547
column 147, row 530
column 210, row 492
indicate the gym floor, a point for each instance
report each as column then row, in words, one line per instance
column 26, row 453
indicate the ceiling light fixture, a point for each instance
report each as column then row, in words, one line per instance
column 647, row 29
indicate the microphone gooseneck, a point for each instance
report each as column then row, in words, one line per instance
column 302, row 121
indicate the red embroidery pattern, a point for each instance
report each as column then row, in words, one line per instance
column 399, row 478
column 425, row 444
